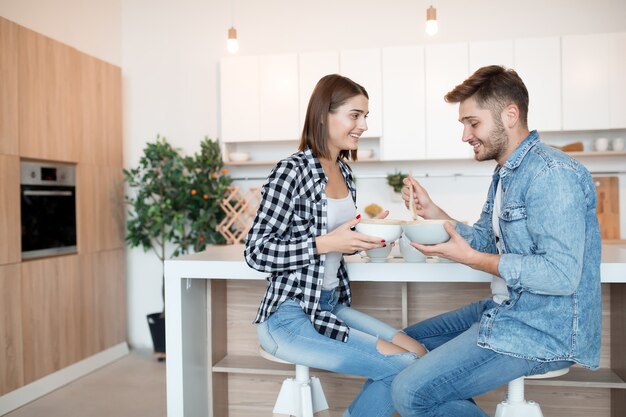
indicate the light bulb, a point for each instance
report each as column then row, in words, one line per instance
column 431, row 21
column 232, row 44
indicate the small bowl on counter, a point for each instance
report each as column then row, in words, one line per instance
column 426, row 232
column 239, row 156
column 365, row 153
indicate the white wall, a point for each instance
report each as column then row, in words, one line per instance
column 169, row 53
column 91, row 26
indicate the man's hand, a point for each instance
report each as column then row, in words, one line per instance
column 424, row 206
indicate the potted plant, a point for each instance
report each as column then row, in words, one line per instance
column 174, row 207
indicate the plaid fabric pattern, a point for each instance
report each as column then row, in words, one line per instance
column 281, row 241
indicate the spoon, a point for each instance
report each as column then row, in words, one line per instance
column 412, row 201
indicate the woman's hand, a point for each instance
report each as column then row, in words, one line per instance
column 424, row 206
column 345, row 239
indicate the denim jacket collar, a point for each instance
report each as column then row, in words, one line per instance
column 520, row 152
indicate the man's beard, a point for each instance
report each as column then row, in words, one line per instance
column 496, row 143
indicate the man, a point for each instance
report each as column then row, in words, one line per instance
column 537, row 234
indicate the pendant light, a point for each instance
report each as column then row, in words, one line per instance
column 232, row 44
column 431, row 21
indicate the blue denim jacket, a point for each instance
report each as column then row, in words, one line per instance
column 550, row 259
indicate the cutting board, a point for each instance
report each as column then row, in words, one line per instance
column 607, row 189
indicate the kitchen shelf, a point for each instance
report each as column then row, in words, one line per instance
column 268, row 162
column 256, row 365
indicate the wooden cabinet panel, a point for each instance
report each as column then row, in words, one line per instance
column 404, row 118
column 49, row 111
column 312, row 66
column 10, row 237
column 607, row 207
column 50, row 315
column 446, row 67
column 8, row 88
column 364, row 66
column 100, row 208
column 11, row 371
column 542, row 81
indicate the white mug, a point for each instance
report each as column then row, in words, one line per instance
column 618, row 144
column 602, row 144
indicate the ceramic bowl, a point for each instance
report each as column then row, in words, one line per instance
column 380, row 254
column 387, row 229
column 409, row 253
column 239, row 156
column 365, row 153
column 426, row 232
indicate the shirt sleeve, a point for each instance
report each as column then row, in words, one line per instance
column 556, row 209
column 270, row 247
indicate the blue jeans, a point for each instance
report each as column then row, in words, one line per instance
column 442, row 383
column 289, row 335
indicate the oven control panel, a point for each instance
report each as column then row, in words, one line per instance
column 47, row 173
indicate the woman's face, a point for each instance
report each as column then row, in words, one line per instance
column 347, row 124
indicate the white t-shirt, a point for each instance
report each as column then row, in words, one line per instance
column 499, row 290
column 340, row 210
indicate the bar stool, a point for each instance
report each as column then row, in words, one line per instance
column 516, row 405
column 301, row 396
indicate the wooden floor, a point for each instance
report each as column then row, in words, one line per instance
column 133, row 386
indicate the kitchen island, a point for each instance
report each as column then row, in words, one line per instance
column 213, row 365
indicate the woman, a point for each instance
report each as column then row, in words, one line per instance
column 304, row 225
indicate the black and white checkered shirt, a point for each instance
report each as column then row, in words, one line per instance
column 293, row 211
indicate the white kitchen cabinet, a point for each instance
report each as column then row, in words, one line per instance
column 312, row 67
column 538, row 63
column 446, row 67
column 585, row 60
column 239, row 88
column 617, row 80
column 490, row 53
column 364, row 67
column 278, row 97
column 404, row 118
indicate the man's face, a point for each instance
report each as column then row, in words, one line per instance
column 483, row 132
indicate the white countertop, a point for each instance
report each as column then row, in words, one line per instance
column 227, row 262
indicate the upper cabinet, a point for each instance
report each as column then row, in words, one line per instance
column 312, row 67
column 363, row 66
column 404, row 117
column 585, row 82
column 239, row 91
column 486, row 53
column 617, row 80
column 8, row 88
column 278, row 97
column 538, row 63
column 446, row 67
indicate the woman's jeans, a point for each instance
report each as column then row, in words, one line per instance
column 442, row 383
column 289, row 334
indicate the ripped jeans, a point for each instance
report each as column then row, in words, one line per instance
column 289, row 335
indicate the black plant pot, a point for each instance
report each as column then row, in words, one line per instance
column 156, row 322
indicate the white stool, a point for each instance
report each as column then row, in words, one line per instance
column 516, row 405
column 299, row 397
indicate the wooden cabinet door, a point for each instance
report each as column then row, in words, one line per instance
column 538, row 63
column 363, row 66
column 11, row 360
column 607, row 206
column 8, row 88
column 404, row 118
column 312, row 66
column 278, row 97
column 617, row 80
column 446, row 67
column 10, row 230
column 490, row 53
column 585, row 82
column 49, row 111
column 239, row 88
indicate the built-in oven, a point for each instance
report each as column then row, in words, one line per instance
column 48, row 208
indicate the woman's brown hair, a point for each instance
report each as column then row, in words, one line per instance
column 330, row 93
column 494, row 87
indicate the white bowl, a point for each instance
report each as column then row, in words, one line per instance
column 387, row 229
column 380, row 254
column 239, row 156
column 365, row 153
column 409, row 253
column 426, row 232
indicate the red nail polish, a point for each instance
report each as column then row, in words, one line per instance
column 385, row 245
column 358, row 217
column 382, row 241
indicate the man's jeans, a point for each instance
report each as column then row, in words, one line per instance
column 289, row 335
column 443, row 382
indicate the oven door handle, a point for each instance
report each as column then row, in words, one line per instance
column 47, row 193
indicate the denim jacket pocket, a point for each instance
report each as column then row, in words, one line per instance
column 513, row 213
